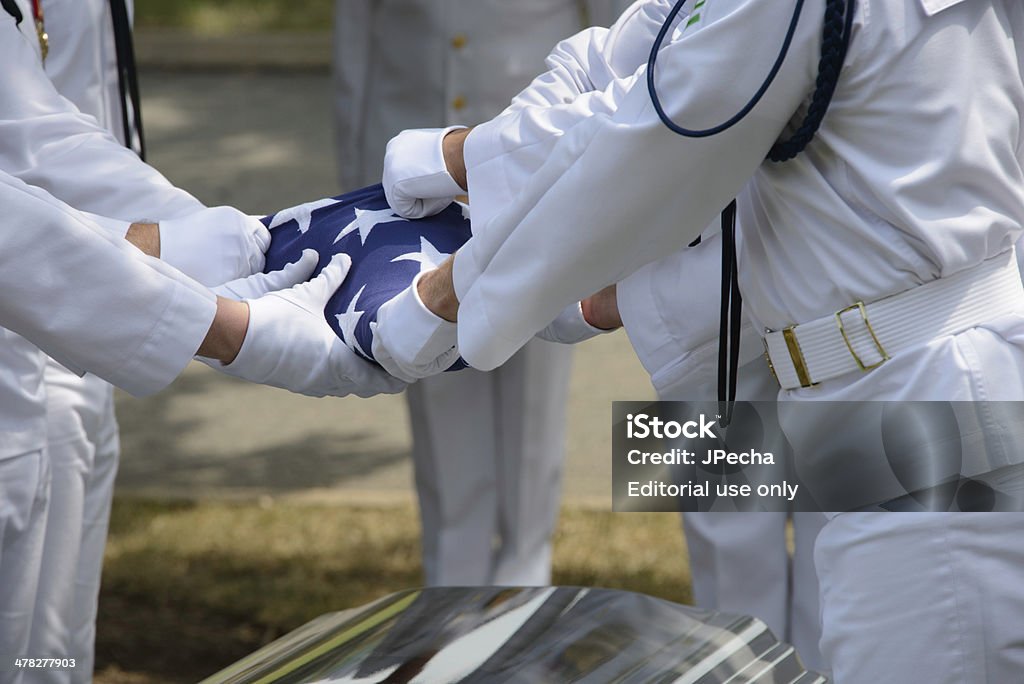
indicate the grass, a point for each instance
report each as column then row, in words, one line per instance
column 228, row 16
column 189, row 588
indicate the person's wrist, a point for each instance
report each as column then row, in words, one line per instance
column 145, row 236
column 437, row 292
column 227, row 332
column 602, row 309
column 452, row 146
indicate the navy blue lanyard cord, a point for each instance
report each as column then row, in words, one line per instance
column 730, row 320
column 836, row 33
column 835, row 41
column 732, row 121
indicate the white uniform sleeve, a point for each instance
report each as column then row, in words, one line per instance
column 618, row 189
column 47, row 142
column 92, row 301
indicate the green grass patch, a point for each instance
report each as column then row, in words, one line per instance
column 229, row 16
column 189, row 588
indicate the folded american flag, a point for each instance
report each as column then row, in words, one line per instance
column 387, row 252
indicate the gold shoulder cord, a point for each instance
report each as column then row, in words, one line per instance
column 44, row 38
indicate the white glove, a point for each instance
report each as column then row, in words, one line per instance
column 214, row 245
column 416, row 180
column 409, row 341
column 289, row 344
column 570, row 327
column 259, row 284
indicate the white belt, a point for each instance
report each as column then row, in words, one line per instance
column 864, row 336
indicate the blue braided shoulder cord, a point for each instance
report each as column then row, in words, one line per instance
column 834, row 43
column 835, row 40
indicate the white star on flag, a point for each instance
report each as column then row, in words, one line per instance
column 428, row 256
column 366, row 220
column 302, row 214
column 348, row 320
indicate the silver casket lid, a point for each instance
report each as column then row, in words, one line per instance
column 533, row 635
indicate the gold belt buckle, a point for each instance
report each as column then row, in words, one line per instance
column 768, row 358
column 796, row 355
column 859, row 306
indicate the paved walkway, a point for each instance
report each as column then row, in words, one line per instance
column 262, row 141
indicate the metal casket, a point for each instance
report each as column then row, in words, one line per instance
column 534, row 635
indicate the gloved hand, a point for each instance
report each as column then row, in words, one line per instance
column 214, row 245
column 416, row 180
column 259, row 284
column 409, row 341
column 289, row 344
column 570, row 327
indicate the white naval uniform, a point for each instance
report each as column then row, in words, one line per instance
column 139, row 337
column 487, row 447
column 46, row 141
column 914, row 175
column 738, row 561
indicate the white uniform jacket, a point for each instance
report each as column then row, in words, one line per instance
column 872, row 207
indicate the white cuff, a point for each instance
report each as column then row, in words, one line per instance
column 571, row 327
column 423, row 333
column 424, row 166
column 170, row 345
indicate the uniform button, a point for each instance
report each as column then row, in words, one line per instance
column 459, row 41
column 459, row 103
